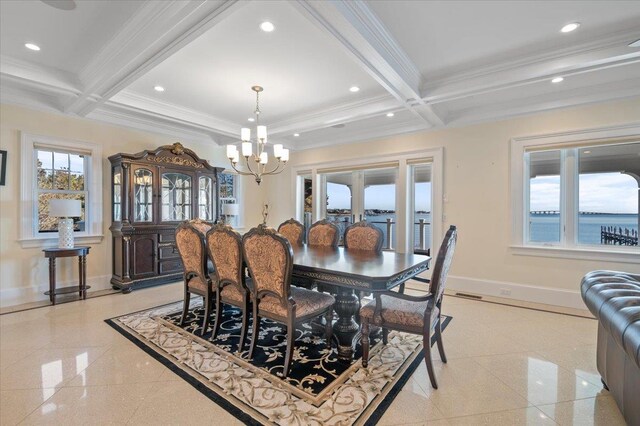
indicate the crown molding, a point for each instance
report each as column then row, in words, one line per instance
column 603, row 53
column 39, row 77
column 155, row 32
column 607, row 92
column 165, row 109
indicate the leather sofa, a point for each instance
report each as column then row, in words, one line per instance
column 614, row 299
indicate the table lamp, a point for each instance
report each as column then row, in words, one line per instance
column 229, row 209
column 65, row 211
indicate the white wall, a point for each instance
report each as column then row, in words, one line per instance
column 476, row 187
column 24, row 272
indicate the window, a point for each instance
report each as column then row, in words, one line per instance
column 579, row 193
column 59, row 175
column 422, row 207
column 58, row 169
column 229, row 195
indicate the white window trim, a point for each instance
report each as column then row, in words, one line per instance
column 519, row 194
column 404, row 213
column 29, row 237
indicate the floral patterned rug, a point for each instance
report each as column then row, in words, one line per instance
column 320, row 389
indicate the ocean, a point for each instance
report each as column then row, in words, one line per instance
column 544, row 227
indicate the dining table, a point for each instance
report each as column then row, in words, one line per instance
column 346, row 272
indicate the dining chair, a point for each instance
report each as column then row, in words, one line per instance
column 413, row 314
column 323, row 233
column 363, row 236
column 269, row 257
column 224, row 247
column 190, row 241
column 292, row 230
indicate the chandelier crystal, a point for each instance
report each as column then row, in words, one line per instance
column 259, row 157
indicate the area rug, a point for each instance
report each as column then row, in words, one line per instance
column 320, row 389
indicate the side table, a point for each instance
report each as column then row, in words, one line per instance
column 52, row 254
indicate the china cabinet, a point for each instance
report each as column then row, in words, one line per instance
column 152, row 192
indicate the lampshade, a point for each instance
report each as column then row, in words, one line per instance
column 229, row 209
column 65, row 208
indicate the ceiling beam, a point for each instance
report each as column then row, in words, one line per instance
column 156, row 31
column 364, row 37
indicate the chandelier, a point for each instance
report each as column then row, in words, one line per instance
column 259, row 157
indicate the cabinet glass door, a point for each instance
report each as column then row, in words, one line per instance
column 117, row 194
column 205, row 198
column 143, row 195
column 176, row 197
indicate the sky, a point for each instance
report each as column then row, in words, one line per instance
column 382, row 197
column 600, row 193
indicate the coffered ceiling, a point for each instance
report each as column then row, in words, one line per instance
column 429, row 64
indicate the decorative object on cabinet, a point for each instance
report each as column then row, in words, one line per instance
column 152, row 193
column 65, row 210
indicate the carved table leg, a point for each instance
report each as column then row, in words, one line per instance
column 345, row 328
column 83, row 283
column 52, row 280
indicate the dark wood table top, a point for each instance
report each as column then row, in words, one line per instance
column 355, row 268
column 66, row 252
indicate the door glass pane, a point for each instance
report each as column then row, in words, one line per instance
column 422, row 208
column 544, row 196
column 205, row 199
column 176, row 197
column 117, row 195
column 143, row 195
column 608, row 194
column 380, row 202
column 339, row 196
column 306, row 200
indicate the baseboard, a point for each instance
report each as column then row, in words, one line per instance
column 20, row 295
column 565, row 301
column 517, row 292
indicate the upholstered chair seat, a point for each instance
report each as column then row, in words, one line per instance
column 269, row 257
column 413, row 314
column 292, row 230
column 224, row 247
column 307, row 302
column 190, row 241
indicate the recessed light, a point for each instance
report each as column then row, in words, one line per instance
column 296, row 134
column 635, row 44
column 570, row 27
column 267, row 27
column 251, row 119
column 586, row 152
column 158, row 88
column 390, row 114
column 557, row 80
column 354, row 89
column 32, row 46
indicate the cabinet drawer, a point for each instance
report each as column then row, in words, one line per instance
column 167, row 252
column 168, row 237
column 170, row 266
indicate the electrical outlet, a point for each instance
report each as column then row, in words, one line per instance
column 505, row 292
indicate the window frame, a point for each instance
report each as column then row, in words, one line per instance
column 29, row 236
column 567, row 143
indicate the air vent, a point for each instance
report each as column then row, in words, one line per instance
column 469, row 296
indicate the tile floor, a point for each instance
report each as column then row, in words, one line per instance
column 507, row 365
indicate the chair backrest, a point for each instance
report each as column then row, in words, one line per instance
column 292, row 231
column 363, row 236
column 191, row 246
column 269, row 257
column 224, row 246
column 323, row 233
column 443, row 263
